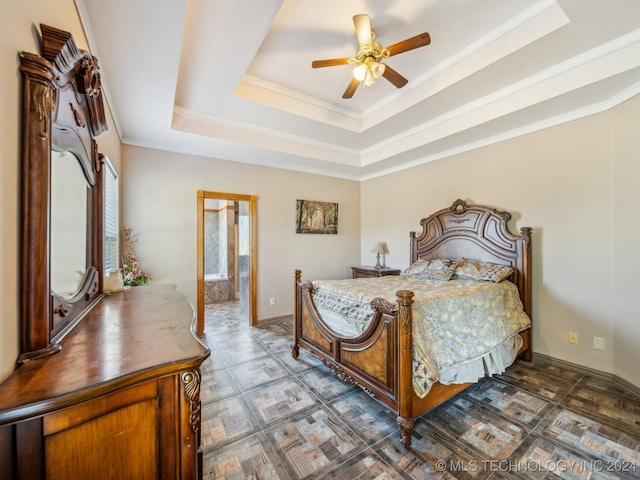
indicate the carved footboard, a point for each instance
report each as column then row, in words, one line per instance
column 379, row 360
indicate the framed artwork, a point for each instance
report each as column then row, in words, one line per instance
column 316, row 217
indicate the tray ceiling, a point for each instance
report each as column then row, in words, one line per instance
column 233, row 80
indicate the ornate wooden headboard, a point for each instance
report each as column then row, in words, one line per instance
column 480, row 233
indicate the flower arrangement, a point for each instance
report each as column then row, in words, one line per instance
column 131, row 273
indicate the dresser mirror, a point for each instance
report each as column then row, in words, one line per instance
column 62, row 192
column 70, row 193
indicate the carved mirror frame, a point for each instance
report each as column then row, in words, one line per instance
column 63, row 110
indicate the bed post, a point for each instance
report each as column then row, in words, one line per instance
column 295, row 349
column 405, row 420
column 525, row 235
column 412, row 247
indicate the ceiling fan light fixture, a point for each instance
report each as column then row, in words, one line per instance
column 368, row 72
column 368, row 66
column 369, row 79
column 360, row 72
column 377, row 69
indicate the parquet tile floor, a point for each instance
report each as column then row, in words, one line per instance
column 268, row 416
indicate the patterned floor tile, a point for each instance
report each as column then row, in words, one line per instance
column 432, row 455
column 552, row 368
column 312, row 443
column 224, row 315
column 506, row 475
column 592, row 438
column 278, row 400
column 516, row 404
column 543, row 458
column 304, row 362
column 282, row 350
column 252, row 458
column 536, row 381
column 598, row 383
column 623, row 413
column 324, row 384
column 365, row 465
column 218, row 384
column 477, row 427
column 228, row 339
column 279, row 347
column 266, row 415
column 243, row 352
column 216, row 359
column 368, row 418
column 225, row 421
column 258, row 372
column 274, row 337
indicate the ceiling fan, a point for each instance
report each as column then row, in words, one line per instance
column 368, row 59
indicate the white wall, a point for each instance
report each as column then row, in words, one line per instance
column 20, row 32
column 159, row 203
column 626, row 260
column 560, row 182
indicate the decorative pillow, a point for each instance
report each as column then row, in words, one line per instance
column 483, row 271
column 439, row 269
column 415, row 268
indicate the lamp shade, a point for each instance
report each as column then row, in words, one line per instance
column 379, row 248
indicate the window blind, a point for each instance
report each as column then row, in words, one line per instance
column 111, row 219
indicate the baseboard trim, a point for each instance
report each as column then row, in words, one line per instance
column 621, row 382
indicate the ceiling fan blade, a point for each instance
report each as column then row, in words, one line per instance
column 421, row 40
column 351, row 89
column 394, row 77
column 363, row 30
column 330, row 63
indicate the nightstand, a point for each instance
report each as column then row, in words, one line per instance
column 366, row 272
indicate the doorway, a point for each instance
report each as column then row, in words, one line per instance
column 227, row 246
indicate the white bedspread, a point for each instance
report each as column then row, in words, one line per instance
column 462, row 329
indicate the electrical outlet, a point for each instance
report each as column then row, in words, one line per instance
column 573, row 338
column 272, row 301
column 598, row 343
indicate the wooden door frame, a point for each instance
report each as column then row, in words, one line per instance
column 253, row 249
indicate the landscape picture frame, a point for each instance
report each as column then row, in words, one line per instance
column 316, row 217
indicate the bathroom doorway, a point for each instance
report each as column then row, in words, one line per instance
column 227, row 246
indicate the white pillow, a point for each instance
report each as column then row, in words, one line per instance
column 416, row 267
column 483, row 271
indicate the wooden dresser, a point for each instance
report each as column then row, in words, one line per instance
column 120, row 400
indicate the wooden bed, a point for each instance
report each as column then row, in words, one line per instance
column 380, row 359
